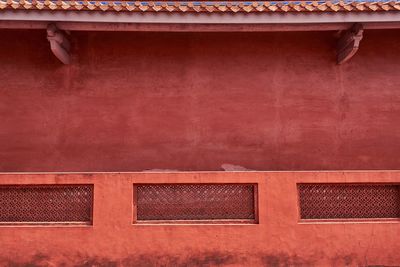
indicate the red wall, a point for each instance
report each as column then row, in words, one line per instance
column 193, row 101
column 279, row 240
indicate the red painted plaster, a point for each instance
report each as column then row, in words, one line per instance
column 279, row 239
column 194, row 101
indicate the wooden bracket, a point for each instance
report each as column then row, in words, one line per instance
column 59, row 44
column 349, row 42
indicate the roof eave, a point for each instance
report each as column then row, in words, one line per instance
column 149, row 21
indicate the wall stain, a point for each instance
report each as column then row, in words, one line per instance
column 285, row 260
column 148, row 260
column 208, row 258
column 345, row 260
column 193, row 260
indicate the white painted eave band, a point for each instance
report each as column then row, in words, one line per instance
column 199, row 18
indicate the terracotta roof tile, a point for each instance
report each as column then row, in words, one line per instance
column 204, row 6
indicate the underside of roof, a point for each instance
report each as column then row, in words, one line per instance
column 199, row 15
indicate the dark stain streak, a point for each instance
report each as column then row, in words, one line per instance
column 210, row 259
column 345, row 260
column 285, row 260
column 201, row 259
column 97, row 262
column 207, row 258
column 147, row 260
column 38, row 260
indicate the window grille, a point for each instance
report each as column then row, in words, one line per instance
column 46, row 204
column 166, row 202
column 349, row 201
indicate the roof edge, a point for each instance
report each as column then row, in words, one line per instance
column 173, row 27
column 199, row 18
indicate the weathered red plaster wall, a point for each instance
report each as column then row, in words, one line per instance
column 193, row 101
column 279, row 240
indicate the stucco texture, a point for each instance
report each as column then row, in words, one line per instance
column 279, row 239
column 194, row 101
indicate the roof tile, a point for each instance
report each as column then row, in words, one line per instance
column 205, row 7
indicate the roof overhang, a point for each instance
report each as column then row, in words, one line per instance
column 155, row 21
column 351, row 18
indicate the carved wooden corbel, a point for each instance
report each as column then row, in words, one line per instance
column 349, row 42
column 59, row 43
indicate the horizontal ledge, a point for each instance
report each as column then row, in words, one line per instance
column 173, row 27
column 198, row 222
column 237, row 19
column 46, row 224
column 187, row 172
column 349, row 221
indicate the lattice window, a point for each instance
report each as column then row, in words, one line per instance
column 220, row 202
column 46, row 204
column 348, row 201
